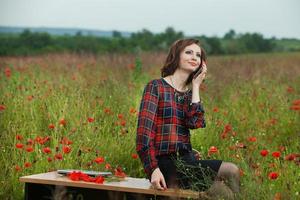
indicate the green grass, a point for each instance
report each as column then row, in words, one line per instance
column 249, row 91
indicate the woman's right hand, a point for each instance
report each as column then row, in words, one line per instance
column 158, row 180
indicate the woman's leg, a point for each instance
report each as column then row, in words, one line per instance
column 230, row 173
column 219, row 190
column 168, row 169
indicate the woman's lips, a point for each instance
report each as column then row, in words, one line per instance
column 193, row 64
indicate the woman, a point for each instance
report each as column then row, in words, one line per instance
column 170, row 106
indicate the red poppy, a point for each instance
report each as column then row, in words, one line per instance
column 37, row 138
column 276, row 154
column 242, row 173
column 212, row 150
column 78, row 175
column 51, row 126
column 86, row 178
column 99, row 180
column 273, row 175
column 227, row 128
column 223, row 135
column 30, row 142
column 30, row 97
column 91, row 119
column 252, row 139
column 134, row 156
column 27, row 164
column 119, row 173
column 216, row 109
column 241, row 145
column 290, row 157
column 264, row 152
column 58, row 156
column 29, row 149
column 46, row 150
column 123, row 123
column 62, row 122
column 120, row 116
column 277, row 196
column 107, row 111
column 7, row 72
column 74, row 176
column 42, row 140
column 19, row 137
column 66, row 141
column 290, row 89
column 18, row 168
column 296, row 102
column 66, row 149
column 295, row 107
column 19, row 145
column 107, row 166
column 99, row 160
column 132, row 110
column 49, row 159
column 2, row 107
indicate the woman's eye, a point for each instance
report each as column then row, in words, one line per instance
column 199, row 55
column 188, row 52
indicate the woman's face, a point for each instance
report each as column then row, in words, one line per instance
column 190, row 58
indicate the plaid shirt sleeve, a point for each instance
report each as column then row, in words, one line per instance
column 195, row 116
column 146, row 128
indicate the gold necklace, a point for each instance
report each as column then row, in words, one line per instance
column 178, row 97
column 173, row 84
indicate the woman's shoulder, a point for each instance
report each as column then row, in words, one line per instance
column 155, row 82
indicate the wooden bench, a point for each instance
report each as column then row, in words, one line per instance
column 52, row 185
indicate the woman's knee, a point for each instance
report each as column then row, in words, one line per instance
column 229, row 169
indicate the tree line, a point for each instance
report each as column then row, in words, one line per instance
column 33, row 43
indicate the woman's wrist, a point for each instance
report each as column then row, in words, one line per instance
column 196, row 86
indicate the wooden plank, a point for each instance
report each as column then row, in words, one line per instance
column 133, row 185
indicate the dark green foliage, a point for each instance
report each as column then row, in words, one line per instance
column 31, row 43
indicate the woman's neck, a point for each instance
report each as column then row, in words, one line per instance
column 179, row 79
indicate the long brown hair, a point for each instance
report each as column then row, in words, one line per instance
column 173, row 58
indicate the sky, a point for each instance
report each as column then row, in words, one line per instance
column 271, row 18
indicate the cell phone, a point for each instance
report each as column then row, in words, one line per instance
column 198, row 71
column 88, row 172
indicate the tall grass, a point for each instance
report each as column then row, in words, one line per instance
column 251, row 95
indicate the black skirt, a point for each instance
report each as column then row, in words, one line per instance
column 186, row 172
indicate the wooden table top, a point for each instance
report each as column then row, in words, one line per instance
column 134, row 185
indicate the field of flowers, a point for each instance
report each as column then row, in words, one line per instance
column 80, row 112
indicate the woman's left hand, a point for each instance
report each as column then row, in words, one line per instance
column 200, row 78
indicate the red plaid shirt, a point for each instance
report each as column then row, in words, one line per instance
column 165, row 117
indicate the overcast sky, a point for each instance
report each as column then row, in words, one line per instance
column 279, row 18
